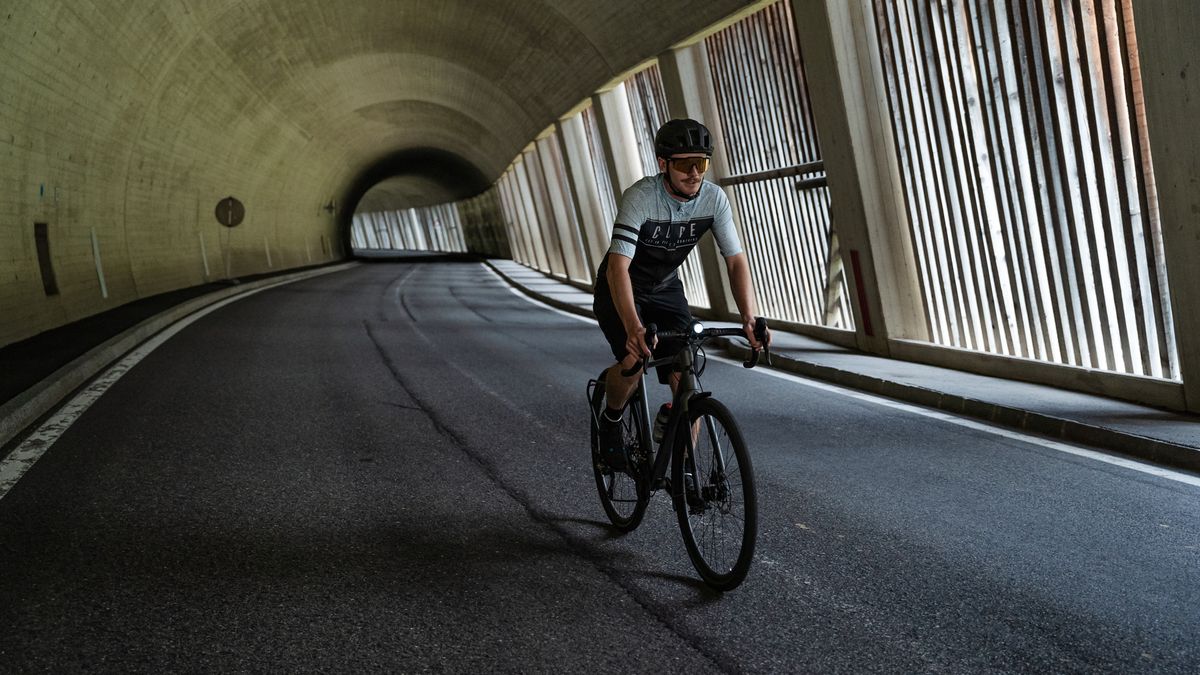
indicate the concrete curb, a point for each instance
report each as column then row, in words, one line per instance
column 27, row 407
column 1057, row 428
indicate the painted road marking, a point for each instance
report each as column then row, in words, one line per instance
column 1158, row 471
column 1151, row 469
column 25, row 455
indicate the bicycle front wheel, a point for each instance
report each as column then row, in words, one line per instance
column 623, row 497
column 714, row 495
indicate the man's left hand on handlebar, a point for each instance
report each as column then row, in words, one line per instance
column 748, row 329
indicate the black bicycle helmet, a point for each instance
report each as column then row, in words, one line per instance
column 681, row 136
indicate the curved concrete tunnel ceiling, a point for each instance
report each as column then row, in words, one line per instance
column 476, row 79
column 138, row 116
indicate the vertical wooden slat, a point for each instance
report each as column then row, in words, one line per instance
column 1094, row 242
column 1005, row 259
column 1127, row 220
column 891, row 49
column 1025, row 228
column 1157, row 289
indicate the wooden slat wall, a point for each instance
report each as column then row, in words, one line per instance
column 567, row 224
column 648, row 107
column 429, row 228
column 1020, row 132
column 762, row 96
column 600, row 168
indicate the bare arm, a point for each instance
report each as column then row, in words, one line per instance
column 743, row 294
column 621, row 289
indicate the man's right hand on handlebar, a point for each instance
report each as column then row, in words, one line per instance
column 635, row 342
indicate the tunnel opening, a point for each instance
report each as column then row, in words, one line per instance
column 395, row 187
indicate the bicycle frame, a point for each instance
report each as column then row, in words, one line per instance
column 707, row 502
column 688, row 388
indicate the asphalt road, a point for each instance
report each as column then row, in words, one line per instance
column 386, row 469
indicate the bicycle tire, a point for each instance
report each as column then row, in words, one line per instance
column 623, row 497
column 719, row 540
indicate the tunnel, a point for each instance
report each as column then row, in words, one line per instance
column 300, row 366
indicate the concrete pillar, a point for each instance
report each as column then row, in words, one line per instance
column 866, row 208
column 518, row 231
column 687, row 83
column 558, row 221
column 526, row 205
column 619, row 138
column 1167, row 48
column 544, row 215
column 582, row 175
column 509, row 205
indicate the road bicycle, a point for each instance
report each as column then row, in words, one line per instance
column 712, row 479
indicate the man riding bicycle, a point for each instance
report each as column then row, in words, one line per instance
column 659, row 222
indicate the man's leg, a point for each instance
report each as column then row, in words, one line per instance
column 617, row 387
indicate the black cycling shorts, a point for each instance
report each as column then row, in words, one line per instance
column 666, row 307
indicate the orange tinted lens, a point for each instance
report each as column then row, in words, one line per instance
column 686, row 165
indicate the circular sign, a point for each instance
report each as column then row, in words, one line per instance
column 230, row 212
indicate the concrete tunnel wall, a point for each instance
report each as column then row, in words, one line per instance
column 122, row 124
column 128, row 122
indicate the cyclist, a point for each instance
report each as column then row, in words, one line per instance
column 660, row 220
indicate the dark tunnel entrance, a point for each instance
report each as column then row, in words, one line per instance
column 454, row 177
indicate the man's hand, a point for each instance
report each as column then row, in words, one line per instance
column 748, row 329
column 635, row 341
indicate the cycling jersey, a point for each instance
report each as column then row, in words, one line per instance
column 658, row 231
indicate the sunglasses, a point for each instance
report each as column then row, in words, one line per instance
column 687, row 164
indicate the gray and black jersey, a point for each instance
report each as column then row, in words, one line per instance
column 658, row 232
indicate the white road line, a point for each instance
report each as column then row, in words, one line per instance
column 1150, row 469
column 1158, row 471
column 520, row 294
column 25, row 455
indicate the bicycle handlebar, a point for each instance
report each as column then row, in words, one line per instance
column 698, row 337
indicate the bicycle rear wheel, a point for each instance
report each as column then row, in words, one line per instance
column 623, row 497
column 714, row 495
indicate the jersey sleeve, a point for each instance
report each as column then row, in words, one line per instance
column 628, row 225
column 723, row 230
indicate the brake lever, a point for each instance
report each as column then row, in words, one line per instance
column 760, row 334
